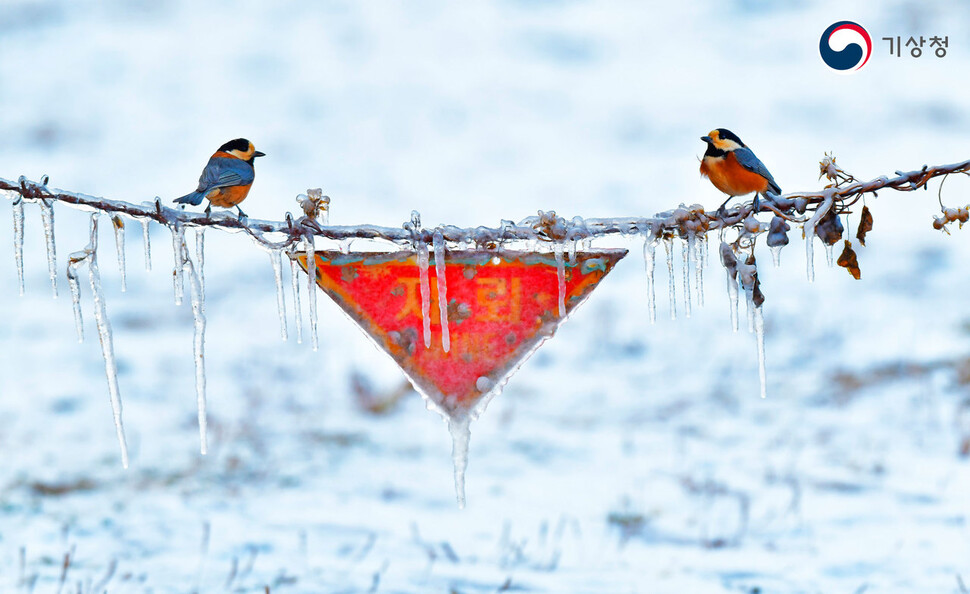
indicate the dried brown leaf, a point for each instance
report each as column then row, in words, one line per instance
column 849, row 261
column 865, row 225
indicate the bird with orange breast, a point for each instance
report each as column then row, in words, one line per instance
column 227, row 177
column 733, row 168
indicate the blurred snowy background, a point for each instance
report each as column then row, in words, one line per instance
column 624, row 457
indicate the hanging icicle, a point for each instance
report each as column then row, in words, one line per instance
column 106, row 339
column 200, row 258
column 425, row 290
column 147, row 243
column 178, row 238
column 460, row 429
column 438, row 242
column 74, row 261
column 119, row 228
column 685, row 253
column 47, row 216
column 730, row 263
column 560, row 277
column 297, row 309
column 197, row 295
column 275, row 256
column 311, row 268
column 649, row 265
column 18, row 240
column 672, row 285
column 698, row 251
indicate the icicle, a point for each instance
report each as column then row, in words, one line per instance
column 460, row 429
column 178, row 238
column 311, row 268
column 297, row 310
column 147, row 242
column 47, row 215
column 18, row 239
column 759, row 320
column 649, row 265
column 699, row 267
column 730, row 263
column 672, row 286
column 119, row 228
column 561, row 277
column 197, row 295
column 776, row 255
column 829, row 256
column 809, row 249
column 107, row 342
column 425, row 289
column 685, row 253
column 438, row 242
column 750, row 307
column 73, row 262
column 572, row 251
column 274, row 256
column 200, row 259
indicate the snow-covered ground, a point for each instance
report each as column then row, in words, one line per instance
column 623, row 457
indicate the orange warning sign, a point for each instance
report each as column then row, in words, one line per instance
column 501, row 306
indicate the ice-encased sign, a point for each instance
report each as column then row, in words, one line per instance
column 501, row 305
column 459, row 341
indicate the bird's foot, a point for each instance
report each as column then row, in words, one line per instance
column 208, row 211
column 242, row 215
column 721, row 211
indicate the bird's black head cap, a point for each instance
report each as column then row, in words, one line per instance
column 726, row 134
column 239, row 144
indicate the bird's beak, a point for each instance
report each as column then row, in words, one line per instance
column 706, row 139
column 259, row 154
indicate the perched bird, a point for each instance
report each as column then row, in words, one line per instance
column 227, row 176
column 733, row 168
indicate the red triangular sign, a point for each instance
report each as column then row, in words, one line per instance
column 501, row 306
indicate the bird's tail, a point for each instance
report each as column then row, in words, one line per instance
column 195, row 198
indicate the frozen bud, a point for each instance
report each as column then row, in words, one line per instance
column 962, row 215
column 416, row 219
column 829, row 229
column 752, row 225
column 938, row 223
column 800, row 205
column 951, row 214
column 778, row 232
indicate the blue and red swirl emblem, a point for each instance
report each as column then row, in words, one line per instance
column 845, row 47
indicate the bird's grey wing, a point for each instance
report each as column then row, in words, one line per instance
column 747, row 159
column 221, row 172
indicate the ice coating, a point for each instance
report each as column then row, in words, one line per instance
column 178, row 238
column 425, row 289
column 759, row 328
column 311, row 267
column 275, row 257
column 18, row 240
column 650, row 265
column 297, row 309
column 460, row 429
column 438, row 243
column 146, row 240
column 671, row 287
column 561, row 277
column 119, row 228
column 829, row 255
column 47, row 216
column 194, row 272
column 106, row 338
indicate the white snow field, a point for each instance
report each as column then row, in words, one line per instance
column 624, row 456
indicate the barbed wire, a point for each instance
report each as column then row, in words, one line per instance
column 545, row 226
